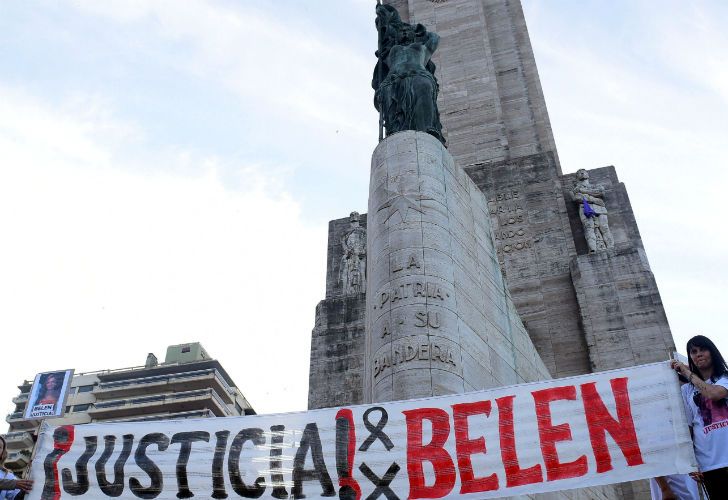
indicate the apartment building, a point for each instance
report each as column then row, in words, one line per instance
column 188, row 384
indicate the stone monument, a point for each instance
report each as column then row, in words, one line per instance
column 354, row 261
column 581, row 310
column 404, row 78
column 592, row 212
column 439, row 316
column 436, row 300
column 337, row 341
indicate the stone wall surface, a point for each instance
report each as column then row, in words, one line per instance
column 337, row 340
column 337, row 353
column 621, row 310
column 440, row 319
column 535, row 244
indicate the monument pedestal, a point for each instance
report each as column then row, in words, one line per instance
column 440, row 319
column 337, row 340
column 620, row 307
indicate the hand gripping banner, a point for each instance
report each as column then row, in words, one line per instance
column 576, row 432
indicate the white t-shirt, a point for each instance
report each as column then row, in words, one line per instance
column 683, row 487
column 709, row 420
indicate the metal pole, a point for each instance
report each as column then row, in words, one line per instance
column 380, row 63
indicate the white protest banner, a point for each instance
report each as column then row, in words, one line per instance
column 553, row 435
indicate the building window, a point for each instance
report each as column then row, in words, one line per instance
column 239, row 408
column 186, row 349
column 81, row 407
column 68, row 409
column 85, row 388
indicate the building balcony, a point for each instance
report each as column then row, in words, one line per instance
column 18, row 459
column 21, row 439
column 21, row 398
column 17, row 423
column 166, row 416
column 192, row 380
column 203, row 399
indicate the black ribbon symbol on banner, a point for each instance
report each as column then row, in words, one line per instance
column 381, row 483
column 376, row 431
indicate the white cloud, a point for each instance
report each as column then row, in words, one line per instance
column 26, row 124
column 693, row 45
column 101, row 263
column 278, row 66
column 293, row 90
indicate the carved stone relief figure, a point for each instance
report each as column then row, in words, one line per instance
column 404, row 77
column 592, row 212
column 352, row 273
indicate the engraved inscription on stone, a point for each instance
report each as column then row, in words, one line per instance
column 352, row 272
column 511, row 233
column 409, row 290
column 510, row 220
column 508, row 202
column 507, row 210
column 514, row 247
column 424, row 319
column 410, row 263
column 405, row 351
column 505, row 196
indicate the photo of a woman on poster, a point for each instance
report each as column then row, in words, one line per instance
column 48, row 394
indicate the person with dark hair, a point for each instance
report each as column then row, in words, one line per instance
column 50, row 388
column 706, row 403
column 11, row 488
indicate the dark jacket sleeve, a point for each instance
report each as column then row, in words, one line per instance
column 8, row 484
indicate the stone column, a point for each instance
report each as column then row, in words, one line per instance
column 439, row 317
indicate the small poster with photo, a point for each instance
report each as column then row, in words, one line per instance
column 48, row 395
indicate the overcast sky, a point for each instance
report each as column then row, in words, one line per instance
column 168, row 169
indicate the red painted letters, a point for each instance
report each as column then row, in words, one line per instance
column 434, row 452
column 550, row 434
column 600, row 422
column 465, row 447
column 515, row 476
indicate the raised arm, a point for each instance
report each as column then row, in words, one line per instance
column 597, row 191
column 8, row 484
column 714, row 392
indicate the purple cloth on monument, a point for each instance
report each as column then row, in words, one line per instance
column 588, row 210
